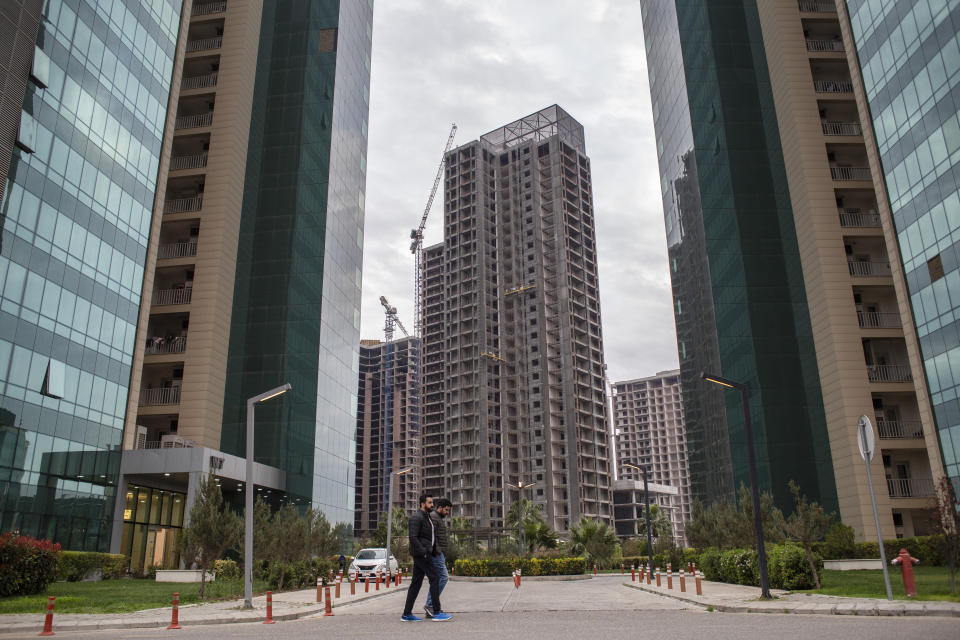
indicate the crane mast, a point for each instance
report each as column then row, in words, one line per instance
column 392, row 320
column 416, row 237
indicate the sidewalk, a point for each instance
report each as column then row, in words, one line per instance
column 288, row 605
column 734, row 598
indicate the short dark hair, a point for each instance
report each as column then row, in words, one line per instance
column 423, row 497
column 443, row 502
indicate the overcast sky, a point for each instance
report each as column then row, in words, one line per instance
column 482, row 65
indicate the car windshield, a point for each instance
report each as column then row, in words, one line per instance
column 371, row 554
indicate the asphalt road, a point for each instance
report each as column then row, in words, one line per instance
column 602, row 609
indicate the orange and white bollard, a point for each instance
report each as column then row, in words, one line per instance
column 331, row 575
column 340, row 576
column 594, row 570
column 519, row 578
column 175, row 615
column 337, row 590
column 378, row 582
column 683, row 582
column 48, row 620
column 633, row 573
column 327, row 607
column 622, row 570
column 269, row 619
column 366, row 584
column 649, row 573
column 353, row 585
column 658, row 576
column 697, row 576
column 319, row 590
column 669, row 576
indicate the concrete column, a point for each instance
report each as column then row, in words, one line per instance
column 119, row 504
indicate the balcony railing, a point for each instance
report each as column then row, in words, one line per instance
column 216, row 42
column 160, row 396
column 182, row 205
column 194, row 121
column 900, row 429
column 188, row 162
column 850, row 173
column 856, row 217
column 878, row 319
column 866, row 269
column 198, row 82
column 841, row 129
column 207, row 8
column 889, row 373
column 173, row 296
column 177, row 250
column 160, row 346
column 817, row 6
column 833, row 86
column 812, row 45
column 910, row 487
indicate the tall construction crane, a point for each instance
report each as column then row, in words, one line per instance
column 392, row 319
column 416, row 237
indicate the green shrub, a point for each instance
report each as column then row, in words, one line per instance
column 74, row 566
column 226, row 569
column 528, row 566
column 27, row 565
column 709, row 564
column 114, row 566
column 839, row 543
column 296, row 575
column 739, row 566
column 788, row 567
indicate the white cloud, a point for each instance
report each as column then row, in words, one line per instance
column 482, row 65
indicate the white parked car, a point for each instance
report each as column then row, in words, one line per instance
column 369, row 562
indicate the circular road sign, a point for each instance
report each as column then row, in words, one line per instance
column 865, row 438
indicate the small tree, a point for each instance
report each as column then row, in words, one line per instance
column 398, row 536
column 212, row 531
column 593, row 538
column 946, row 523
column 660, row 528
column 807, row 524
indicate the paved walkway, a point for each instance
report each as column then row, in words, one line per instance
column 740, row 599
column 288, row 605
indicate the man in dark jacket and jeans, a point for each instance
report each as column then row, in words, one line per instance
column 423, row 548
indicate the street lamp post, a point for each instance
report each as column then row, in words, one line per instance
column 646, row 503
column 248, row 498
column 520, row 486
column 390, row 512
column 754, row 487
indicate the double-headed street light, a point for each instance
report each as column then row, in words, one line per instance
column 754, row 487
column 646, row 502
column 248, row 498
column 520, row 486
column 390, row 511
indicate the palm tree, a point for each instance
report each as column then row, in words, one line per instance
column 593, row 538
column 660, row 526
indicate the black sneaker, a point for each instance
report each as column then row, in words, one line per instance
column 427, row 610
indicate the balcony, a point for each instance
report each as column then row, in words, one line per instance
column 206, row 44
column 160, row 396
column 162, row 346
column 183, row 205
column 812, row 45
column 865, row 269
column 856, row 217
column 817, row 6
column 182, row 295
column 889, row 373
column 188, row 162
column 850, row 173
column 194, row 121
column 910, row 487
column 889, row 429
column 833, row 86
column 199, row 82
column 841, row 128
column 208, row 8
column 177, row 250
column 879, row 319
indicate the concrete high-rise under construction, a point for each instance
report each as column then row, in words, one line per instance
column 513, row 352
column 388, row 419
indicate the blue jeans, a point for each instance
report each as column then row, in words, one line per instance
column 440, row 564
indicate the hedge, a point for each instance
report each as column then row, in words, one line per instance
column 528, row 566
column 27, row 565
column 678, row 558
column 787, row 566
column 927, row 549
column 74, row 566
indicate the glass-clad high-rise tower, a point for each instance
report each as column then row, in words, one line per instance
column 909, row 61
column 76, row 217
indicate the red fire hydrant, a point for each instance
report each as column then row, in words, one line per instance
column 906, row 563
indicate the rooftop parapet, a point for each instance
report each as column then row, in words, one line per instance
column 538, row 126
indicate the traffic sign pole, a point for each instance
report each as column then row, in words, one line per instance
column 865, row 443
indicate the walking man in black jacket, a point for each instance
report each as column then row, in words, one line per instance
column 423, row 547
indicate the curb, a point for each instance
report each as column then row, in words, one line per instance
column 525, row 578
column 120, row 623
column 839, row 609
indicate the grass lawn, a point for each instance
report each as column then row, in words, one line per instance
column 933, row 583
column 120, row 596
